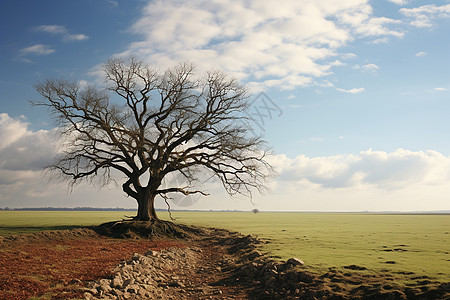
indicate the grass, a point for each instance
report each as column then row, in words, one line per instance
column 408, row 246
column 400, row 244
column 15, row 222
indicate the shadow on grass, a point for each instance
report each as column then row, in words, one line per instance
column 9, row 230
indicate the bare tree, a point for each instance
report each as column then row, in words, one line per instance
column 147, row 125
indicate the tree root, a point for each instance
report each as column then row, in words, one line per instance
column 130, row 229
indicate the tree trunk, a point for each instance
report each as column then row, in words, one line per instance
column 146, row 208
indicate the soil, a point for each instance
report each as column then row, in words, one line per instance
column 194, row 263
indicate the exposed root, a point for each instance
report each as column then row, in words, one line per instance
column 146, row 229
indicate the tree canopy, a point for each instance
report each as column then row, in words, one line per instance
column 148, row 125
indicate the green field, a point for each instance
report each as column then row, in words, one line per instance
column 389, row 243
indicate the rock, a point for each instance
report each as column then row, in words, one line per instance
column 133, row 288
column 117, row 292
column 75, row 281
column 117, row 281
column 105, row 285
column 127, row 282
column 195, row 249
column 176, row 283
column 152, row 253
column 254, row 254
column 88, row 296
column 295, row 261
column 92, row 291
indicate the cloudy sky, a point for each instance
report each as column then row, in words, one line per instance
column 355, row 103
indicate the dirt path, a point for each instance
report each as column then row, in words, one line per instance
column 214, row 264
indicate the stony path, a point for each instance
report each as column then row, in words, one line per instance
column 203, row 271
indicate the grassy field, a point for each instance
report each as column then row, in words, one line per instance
column 14, row 222
column 398, row 244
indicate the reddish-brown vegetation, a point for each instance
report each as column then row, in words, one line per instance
column 37, row 266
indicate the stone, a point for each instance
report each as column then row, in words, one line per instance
column 117, row 292
column 152, row 253
column 295, row 261
column 88, row 296
column 133, row 288
column 89, row 290
column 127, row 282
column 254, row 254
column 75, row 281
column 105, row 285
column 117, row 281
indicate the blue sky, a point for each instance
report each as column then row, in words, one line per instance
column 363, row 87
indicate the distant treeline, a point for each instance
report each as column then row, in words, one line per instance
column 70, row 209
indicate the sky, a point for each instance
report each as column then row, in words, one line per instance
column 353, row 96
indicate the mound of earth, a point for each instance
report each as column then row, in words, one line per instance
column 129, row 229
column 205, row 263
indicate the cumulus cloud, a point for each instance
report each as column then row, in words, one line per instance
column 61, row 31
column 23, row 155
column 38, row 49
column 263, row 42
column 22, row 149
column 351, row 91
column 423, row 16
column 369, row 180
column 396, row 170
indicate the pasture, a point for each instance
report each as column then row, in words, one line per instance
column 410, row 246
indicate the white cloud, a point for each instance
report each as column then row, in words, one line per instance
column 399, row 2
column 379, row 27
column 62, row 31
column 113, row 3
column 22, row 149
column 348, row 55
column 10, row 130
column 325, row 84
column 352, row 91
column 23, row 155
column 76, row 37
column 384, row 40
column 370, row 180
column 421, row 53
column 54, row 29
column 370, row 67
column 396, row 170
column 38, row 49
column 265, row 43
column 440, row 89
column 423, row 16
